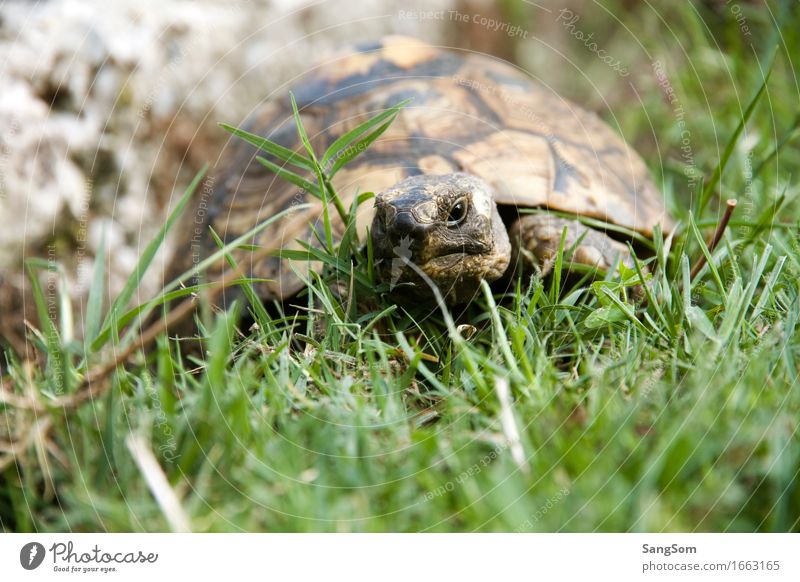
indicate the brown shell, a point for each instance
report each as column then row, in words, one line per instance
column 469, row 113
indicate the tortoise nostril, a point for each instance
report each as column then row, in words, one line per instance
column 405, row 221
column 405, row 225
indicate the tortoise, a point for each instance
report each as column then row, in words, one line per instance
column 479, row 142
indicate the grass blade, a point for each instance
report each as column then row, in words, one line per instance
column 624, row 308
column 264, row 144
column 726, row 154
column 769, row 289
column 324, row 186
column 290, row 176
column 55, row 352
column 149, row 253
column 709, row 259
column 261, row 315
column 199, row 268
column 94, row 303
column 337, row 147
column 358, row 148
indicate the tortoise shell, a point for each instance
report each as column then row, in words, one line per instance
column 469, row 113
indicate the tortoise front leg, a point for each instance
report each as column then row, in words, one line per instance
column 535, row 239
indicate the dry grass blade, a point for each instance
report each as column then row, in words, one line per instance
column 95, row 379
column 509, row 424
column 157, row 483
column 36, row 433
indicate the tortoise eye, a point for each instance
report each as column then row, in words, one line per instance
column 458, row 212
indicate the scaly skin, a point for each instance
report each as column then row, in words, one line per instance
column 535, row 239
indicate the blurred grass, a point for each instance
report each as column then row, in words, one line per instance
column 678, row 414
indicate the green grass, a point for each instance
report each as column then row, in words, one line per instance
column 676, row 413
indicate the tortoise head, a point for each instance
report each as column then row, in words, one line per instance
column 441, row 230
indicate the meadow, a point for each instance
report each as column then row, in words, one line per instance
column 563, row 404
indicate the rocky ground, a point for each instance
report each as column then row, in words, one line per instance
column 107, row 110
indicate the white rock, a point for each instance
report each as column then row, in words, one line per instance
column 134, row 86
